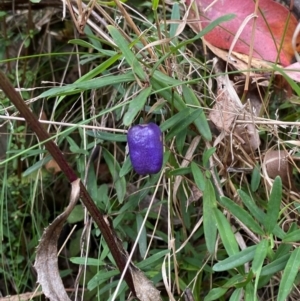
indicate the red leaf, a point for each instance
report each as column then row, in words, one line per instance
column 270, row 27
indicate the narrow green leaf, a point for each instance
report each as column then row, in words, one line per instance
column 259, row 257
column 36, row 166
column 177, row 118
column 136, row 105
column 94, row 83
column 249, row 292
column 181, row 140
column 198, row 176
column 149, row 261
column 174, row 16
column 126, row 167
column 215, row 294
column 87, row 261
column 130, row 57
column 258, row 213
column 226, row 234
column 213, row 24
column 235, row 260
column 201, row 123
column 206, row 155
column 107, row 136
column 255, row 178
column 273, row 205
column 209, row 223
column 275, row 266
column 114, row 168
column 290, row 81
column 236, row 295
column 101, row 277
column 161, row 88
column 155, row 4
column 76, row 215
column 193, row 114
column 180, row 171
column 143, row 238
column 289, row 275
column 292, row 237
column 241, row 214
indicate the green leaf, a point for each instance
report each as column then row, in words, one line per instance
column 206, row 155
column 273, row 205
column 293, row 236
column 198, row 176
column 126, row 167
column 184, row 123
column 136, row 105
column 174, row 16
column 259, row 257
column 174, row 120
column 114, row 168
column 130, row 57
column 143, row 238
column 76, row 215
column 258, row 213
column 101, row 277
column 94, row 83
column 236, row 295
column 289, row 275
column 226, row 234
column 107, row 136
column 235, row 260
column 241, row 214
column 87, row 261
column 255, row 178
column 155, row 4
column 209, row 223
column 36, row 166
column 249, row 292
column 290, row 81
column 275, row 266
column 215, row 294
column 148, row 262
column 201, row 123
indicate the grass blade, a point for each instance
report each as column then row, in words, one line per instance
column 94, row 83
column 130, row 57
column 273, row 205
column 225, row 231
column 184, row 123
column 235, row 260
column 259, row 257
column 136, row 105
column 242, row 215
column 201, row 123
column 210, row 228
column 258, row 213
column 198, row 176
column 114, row 168
column 289, row 275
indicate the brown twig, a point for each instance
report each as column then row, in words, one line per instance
column 57, row 155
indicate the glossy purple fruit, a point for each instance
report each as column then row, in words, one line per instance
column 145, row 148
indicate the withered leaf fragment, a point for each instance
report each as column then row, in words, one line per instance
column 46, row 256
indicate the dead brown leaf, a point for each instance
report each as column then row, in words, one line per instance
column 277, row 163
column 144, row 288
column 46, row 256
column 227, row 105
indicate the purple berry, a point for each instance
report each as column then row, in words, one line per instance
column 145, row 148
